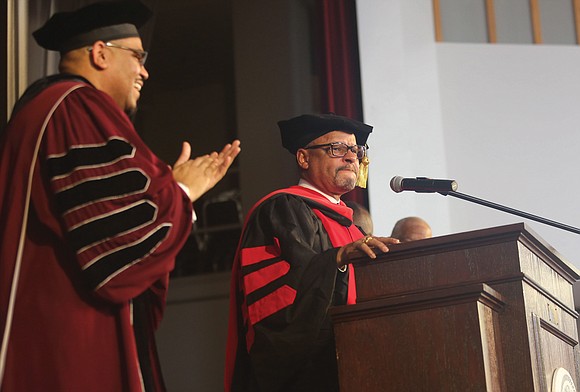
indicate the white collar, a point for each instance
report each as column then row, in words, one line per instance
column 308, row 185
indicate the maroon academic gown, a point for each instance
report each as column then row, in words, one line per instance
column 284, row 280
column 91, row 221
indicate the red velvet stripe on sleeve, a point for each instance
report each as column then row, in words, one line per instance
column 270, row 304
column 255, row 280
column 254, row 255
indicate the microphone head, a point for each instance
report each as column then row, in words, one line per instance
column 397, row 184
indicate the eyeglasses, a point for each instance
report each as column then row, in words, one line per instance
column 141, row 55
column 340, row 149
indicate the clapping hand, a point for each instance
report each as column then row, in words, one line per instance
column 202, row 173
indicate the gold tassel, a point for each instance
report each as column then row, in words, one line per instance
column 363, row 172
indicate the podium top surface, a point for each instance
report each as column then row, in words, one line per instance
column 517, row 232
column 510, row 254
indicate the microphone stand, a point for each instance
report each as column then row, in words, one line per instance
column 511, row 211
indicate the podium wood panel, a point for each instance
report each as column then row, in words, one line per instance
column 488, row 310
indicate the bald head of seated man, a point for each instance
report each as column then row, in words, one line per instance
column 411, row 228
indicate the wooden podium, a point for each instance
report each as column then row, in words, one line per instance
column 487, row 310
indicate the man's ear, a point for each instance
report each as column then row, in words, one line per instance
column 302, row 158
column 99, row 55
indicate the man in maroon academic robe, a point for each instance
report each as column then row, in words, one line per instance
column 90, row 219
column 292, row 263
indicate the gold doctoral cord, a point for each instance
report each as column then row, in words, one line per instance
column 363, row 172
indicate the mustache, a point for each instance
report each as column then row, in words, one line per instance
column 347, row 167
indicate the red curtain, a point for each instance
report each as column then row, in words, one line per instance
column 341, row 89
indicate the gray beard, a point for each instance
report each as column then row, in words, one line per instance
column 346, row 184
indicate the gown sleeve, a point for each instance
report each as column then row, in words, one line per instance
column 288, row 275
column 121, row 214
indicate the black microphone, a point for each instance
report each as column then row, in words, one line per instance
column 422, row 185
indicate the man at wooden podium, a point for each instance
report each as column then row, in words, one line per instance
column 293, row 263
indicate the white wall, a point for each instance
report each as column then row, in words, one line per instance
column 502, row 120
column 400, row 90
column 511, row 118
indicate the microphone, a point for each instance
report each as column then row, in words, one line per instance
column 422, row 185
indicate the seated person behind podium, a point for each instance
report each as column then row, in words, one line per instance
column 90, row 219
column 293, row 263
column 361, row 217
column 411, row 228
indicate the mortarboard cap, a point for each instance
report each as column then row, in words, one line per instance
column 107, row 20
column 297, row 132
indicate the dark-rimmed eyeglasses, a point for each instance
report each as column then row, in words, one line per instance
column 141, row 55
column 340, row 149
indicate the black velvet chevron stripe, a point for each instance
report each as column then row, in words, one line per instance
column 248, row 269
column 89, row 156
column 265, row 290
column 102, row 188
column 108, row 265
column 112, row 225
